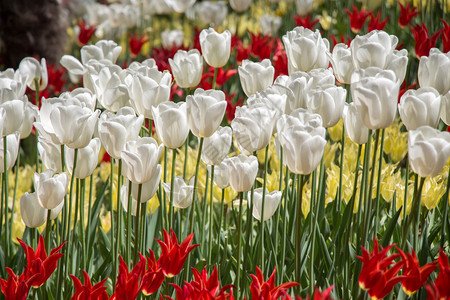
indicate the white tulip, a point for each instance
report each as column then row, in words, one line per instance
column 216, row 48
column 187, row 68
column 32, row 70
column 50, row 188
column 433, row 71
column 12, row 144
column 271, row 202
column 216, row 146
column 171, row 123
column 87, row 159
column 183, row 193
column 255, row 76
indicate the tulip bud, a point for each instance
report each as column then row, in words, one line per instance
column 183, row 194
column 271, row 202
column 341, row 60
column 171, row 123
column 148, row 189
column 217, row 146
column 221, row 173
column 428, row 150
column 216, row 47
column 87, row 159
column 240, row 5
column 50, row 154
column 187, row 68
column 375, row 93
column 328, row 102
column 205, row 111
column 33, row 214
column 420, row 107
column 242, row 172
column 14, row 111
column 30, row 113
column 140, row 159
column 354, row 126
column 305, row 50
column 433, row 71
column 253, row 127
column 255, row 77
column 50, row 188
column 105, row 51
column 114, row 130
column 12, row 144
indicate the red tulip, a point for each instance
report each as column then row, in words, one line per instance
column 357, row 18
column 39, row 266
column 375, row 277
column 343, row 40
column 86, row 32
column 407, row 13
column 318, row 295
column 261, row 45
column 442, row 282
column 415, row 276
column 445, row 37
column 153, row 276
column 173, row 255
column 375, row 23
column 305, row 21
column 203, row 287
column 136, row 42
column 15, row 287
column 87, row 291
column 423, row 41
column 128, row 285
column 261, row 289
column 222, row 76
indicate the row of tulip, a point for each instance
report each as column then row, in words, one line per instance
column 285, row 120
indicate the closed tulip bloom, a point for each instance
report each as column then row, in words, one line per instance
column 87, row 159
column 83, row 95
column 303, row 140
column 105, row 51
column 12, row 144
column 328, row 102
column 270, row 24
column 273, row 99
column 50, row 188
column 33, row 214
column 70, row 125
column 354, row 126
column 216, row 47
column 305, row 50
column 433, row 71
column 32, row 70
column 180, row 6
column 30, row 113
column 445, row 108
column 183, row 193
column 171, row 123
column 221, row 173
column 14, row 112
column 187, row 68
column 428, row 150
column 205, row 111
column 255, row 76
column 271, row 202
column 149, row 91
column 140, row 159
column 375, row 93
column 297, row 90
column 50, row 154
column 172, row 38
column 212, row 13
column 342, row 62
column 253, row 127
column 242, row 172
column 115, row 130
column 124, row 199
column 240, row 5
column 217, row 146
column 149, row 188
column 420, row 107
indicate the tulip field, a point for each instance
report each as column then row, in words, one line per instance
column 241, row 149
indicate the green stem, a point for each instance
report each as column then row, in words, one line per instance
column 82, row 233
column 191, row 217
column 186, row 147
column 47, row 231
column 129, row 208
column 91, row 187
column 136, row 224
column 277, row 218
column 166, row 212
column 414, row 211
column 238, row 260
column 142, row 230
column 214, row 79
column 444, row 219
column 220, row 224
column 405, row 200
column 204, row 214
column 6, row 191
column 313, row 224
column 174, row 157
column 377, row 199
column 285, row 221
column 118, row 231
column 36, row 84
column 298, row 218
column 16, row 179
column 261, row 224
column 211, row 210
column 341, row 163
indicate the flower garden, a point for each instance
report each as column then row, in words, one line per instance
column 231, row 150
